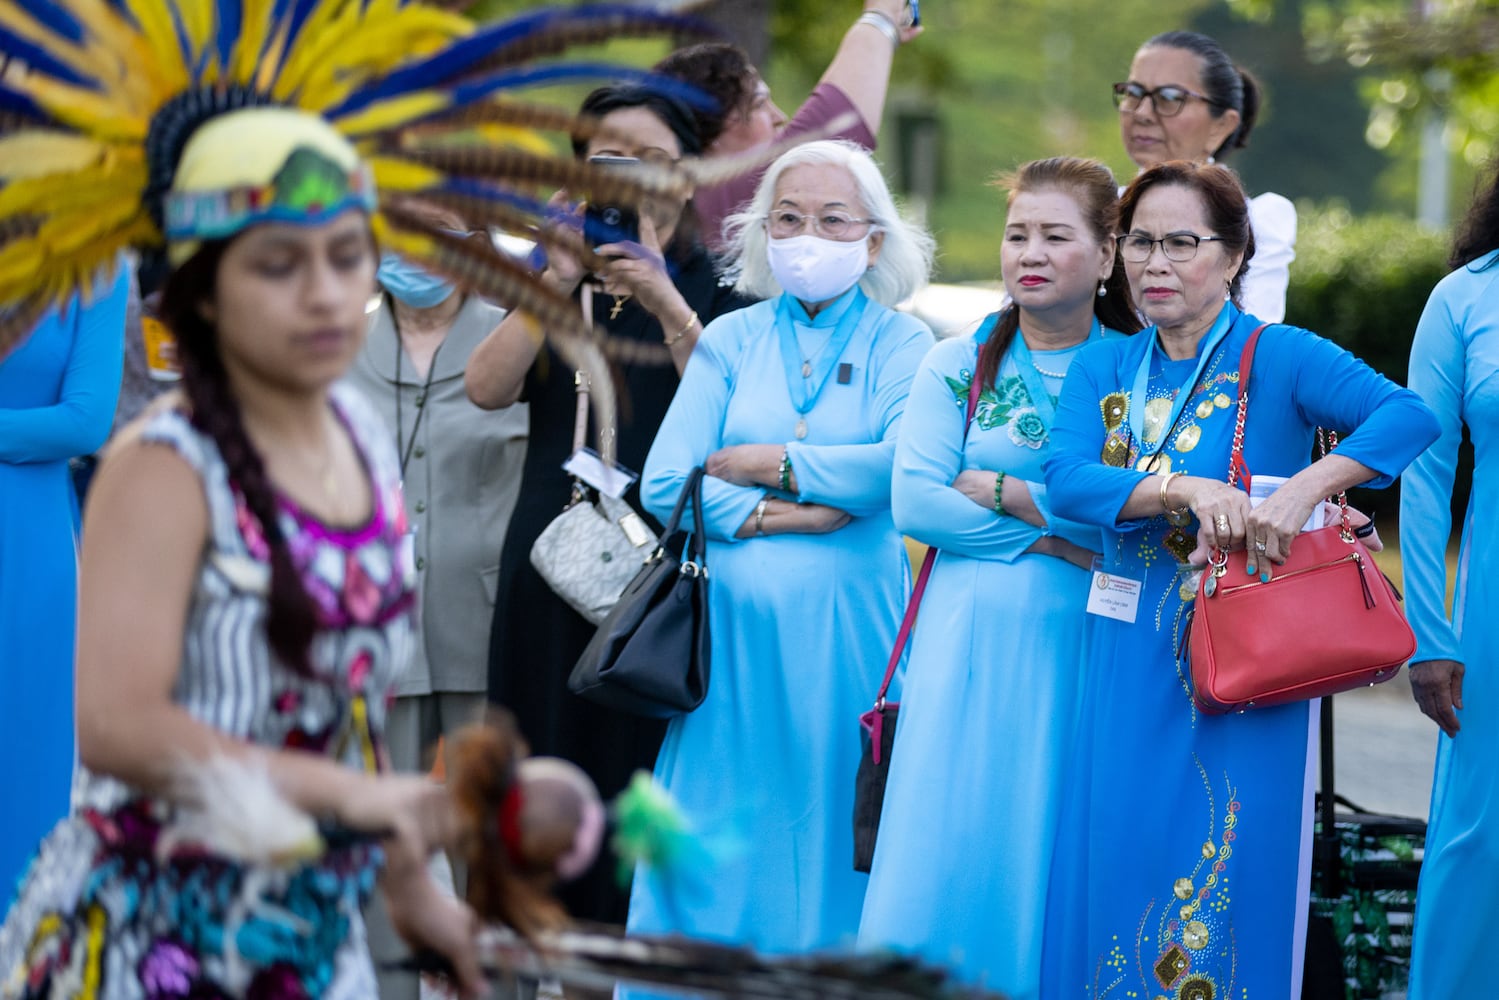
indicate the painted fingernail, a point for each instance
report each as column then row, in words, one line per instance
column 1265, row 576
column 1248, row 568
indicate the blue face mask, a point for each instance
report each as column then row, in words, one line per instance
column 409, row 283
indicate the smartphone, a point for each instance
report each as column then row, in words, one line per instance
column 604, row 223
column 915, row 6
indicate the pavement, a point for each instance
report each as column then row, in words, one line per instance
column 1384, row 749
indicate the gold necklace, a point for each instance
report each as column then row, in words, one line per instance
column 619, row 304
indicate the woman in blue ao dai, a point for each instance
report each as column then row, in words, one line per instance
column 1454, row 360
column 1183, row 863
column 809, row 574
column 57, row 398
column 990, row 696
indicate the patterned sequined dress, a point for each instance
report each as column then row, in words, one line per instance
column 99, row 913
column 1182, row 864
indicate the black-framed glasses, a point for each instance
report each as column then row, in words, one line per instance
column 784, row 224
column 1167, row 100
column 1180, row 247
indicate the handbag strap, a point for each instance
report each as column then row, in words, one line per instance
column 697, row 545
column 914, row 603
column 1237, row 469
column 1327, row 440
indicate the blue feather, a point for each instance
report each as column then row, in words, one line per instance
column 16, row 103
column 39, row 59
column 486, row 42
column 230, row 17
column 514, row 79
column 300, row 11
column 468, row 188
column 58, row 19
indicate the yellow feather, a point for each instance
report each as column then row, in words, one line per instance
column 255, row 21
column 37, row 152
column 506, row 135
column 68, row 236
column 86, row 110
column 199, row 20
column 265, row 73
column 399, row 175
column 400, row 241
column 392, row 112
column 330, row 18
column 122, row 177
column 160, row 36
column 369, row 48
column 115, row 43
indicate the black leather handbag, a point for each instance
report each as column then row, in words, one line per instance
column 650, row 656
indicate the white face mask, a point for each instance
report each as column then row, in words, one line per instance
column 815, row 270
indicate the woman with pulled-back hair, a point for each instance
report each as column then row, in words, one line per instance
column 992, row 688
column 1186, row 99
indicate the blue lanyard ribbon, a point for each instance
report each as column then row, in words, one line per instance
column 1020, row 353
column 804, row 391
column 1205, row 350
column 1041, row 399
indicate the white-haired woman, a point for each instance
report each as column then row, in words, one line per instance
column 792, row 405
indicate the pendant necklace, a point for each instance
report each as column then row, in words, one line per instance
column 619, row 304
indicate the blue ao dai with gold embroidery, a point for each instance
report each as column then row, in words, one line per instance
column 1183, row 860
column 802, row 624
column 990, row 700
column 1455, row 369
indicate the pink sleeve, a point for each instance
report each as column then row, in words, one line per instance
column 825, row 103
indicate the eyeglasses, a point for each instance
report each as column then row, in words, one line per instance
column 783, row 224
column 1180, row 247
column 1167, row 100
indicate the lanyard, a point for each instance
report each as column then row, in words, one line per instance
column 1046, row 409
column 421, row 398
column 804, row 391
column 1221, row 326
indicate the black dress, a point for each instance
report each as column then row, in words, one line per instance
column 536, row 637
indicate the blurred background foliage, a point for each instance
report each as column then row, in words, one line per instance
column 1357, row 93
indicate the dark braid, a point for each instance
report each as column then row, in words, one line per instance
column 291, row 617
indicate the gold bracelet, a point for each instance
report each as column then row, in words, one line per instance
column 672, row 341
column 1165, row 484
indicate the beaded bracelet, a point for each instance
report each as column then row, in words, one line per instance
column 999, row 489
column 785, row 470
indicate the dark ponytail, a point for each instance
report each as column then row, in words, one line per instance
column 291, row 617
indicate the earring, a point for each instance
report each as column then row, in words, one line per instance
column 1102, row 289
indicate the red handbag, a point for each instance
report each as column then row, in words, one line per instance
column 1328, row 621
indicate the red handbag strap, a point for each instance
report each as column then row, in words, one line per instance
column 1237, row 469
column 914, row 603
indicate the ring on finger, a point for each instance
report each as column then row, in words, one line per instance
column 1260, row 546
column 1221, row 523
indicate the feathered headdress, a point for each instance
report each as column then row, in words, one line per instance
column 99, row 99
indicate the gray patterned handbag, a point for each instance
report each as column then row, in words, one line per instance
column 590, row 551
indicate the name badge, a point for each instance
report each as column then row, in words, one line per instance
column 610, row 480
column 1113, row 596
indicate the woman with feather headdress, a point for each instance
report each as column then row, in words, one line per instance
column 246, row 585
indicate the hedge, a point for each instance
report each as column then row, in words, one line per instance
column 1363, row 283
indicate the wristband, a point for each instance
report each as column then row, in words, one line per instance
column 887, row 27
